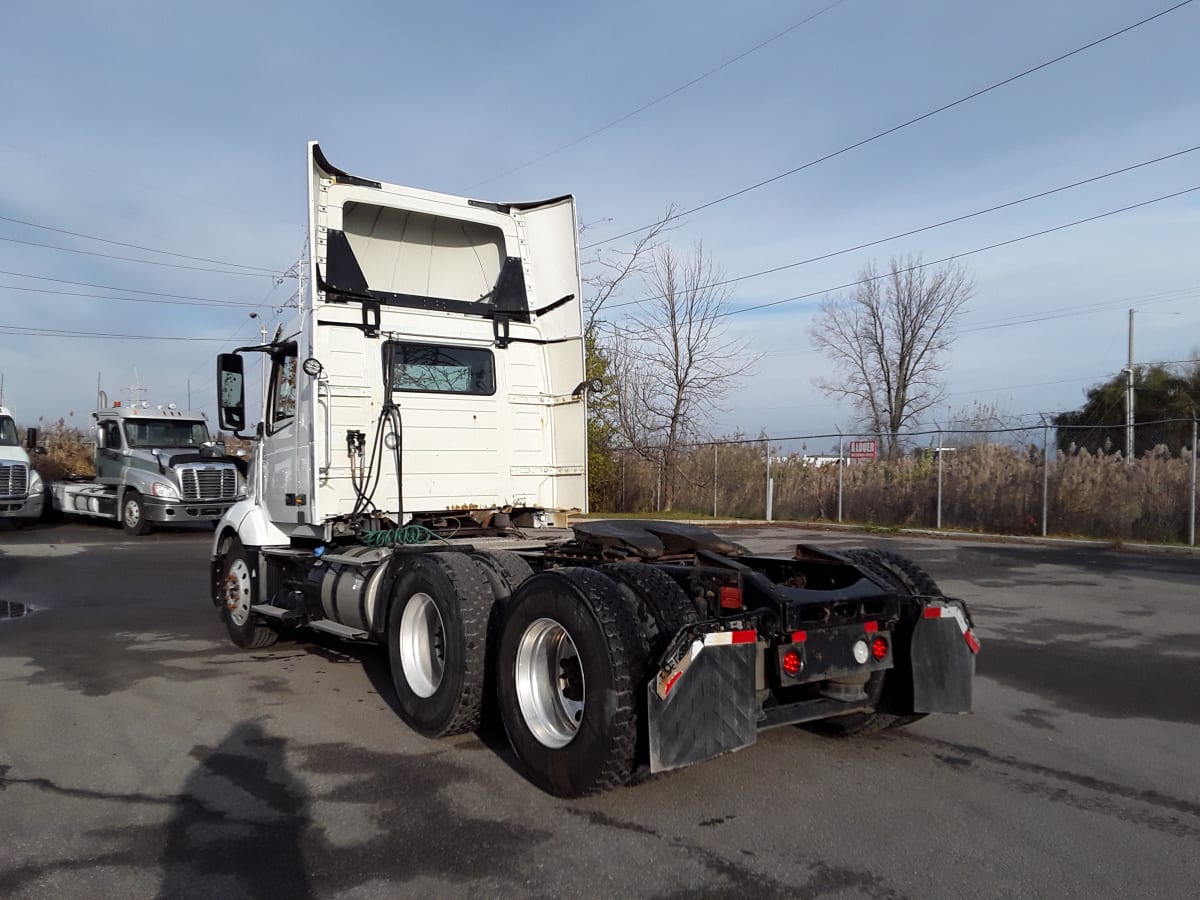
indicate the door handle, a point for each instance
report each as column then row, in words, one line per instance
column 324, row 389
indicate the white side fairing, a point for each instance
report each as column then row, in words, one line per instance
column 478, row 307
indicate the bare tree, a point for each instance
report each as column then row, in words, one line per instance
column 608, row 270
column 888, row 341
column 673, row 359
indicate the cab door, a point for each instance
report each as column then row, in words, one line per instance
column 109, row 458
column 286, row 443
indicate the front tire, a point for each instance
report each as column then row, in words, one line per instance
column 239, row 584
column 133, row 514
column 571, row 661
column 437, row 642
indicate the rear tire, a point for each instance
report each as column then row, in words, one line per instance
column 663, row 608
column 572, row 659
column 133, row 514
column 437, row 642
column 904, row 576
column 504, row 571
column 239, row 586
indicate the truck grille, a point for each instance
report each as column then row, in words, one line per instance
column 198, row 482
column 14, row 480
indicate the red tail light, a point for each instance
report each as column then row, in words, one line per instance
column 792, row 663
column 879, row 648
column 731, row 597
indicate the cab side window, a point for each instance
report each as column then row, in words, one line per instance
column 111, row 432
column 282, row 409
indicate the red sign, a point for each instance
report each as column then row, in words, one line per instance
column 862, row 449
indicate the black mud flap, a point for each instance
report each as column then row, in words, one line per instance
column 711, row 709
column 943, row 666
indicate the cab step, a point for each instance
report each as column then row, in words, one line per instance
column 277, row 612
column 337, row 628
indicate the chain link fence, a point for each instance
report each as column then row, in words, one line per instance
column 1038, row 480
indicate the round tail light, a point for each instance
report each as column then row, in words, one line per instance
column 792, row 663
column 879, row 648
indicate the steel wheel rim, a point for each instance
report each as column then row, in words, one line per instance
column 237, row 592
column 550, row 685
column 133, row 513
column 422, row 645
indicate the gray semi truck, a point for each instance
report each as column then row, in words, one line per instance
column 154, row 466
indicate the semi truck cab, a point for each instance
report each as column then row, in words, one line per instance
column 20, row 485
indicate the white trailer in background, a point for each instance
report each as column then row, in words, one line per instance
column 426, row 404
column 20, row 484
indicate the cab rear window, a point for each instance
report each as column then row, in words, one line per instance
column 441, row 369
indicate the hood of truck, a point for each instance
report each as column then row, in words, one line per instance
column 13, row 455
column 172, row 456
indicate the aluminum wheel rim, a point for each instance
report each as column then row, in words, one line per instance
column 550, row 683
column 422, row 645
column 237, row 592
column 133, row 513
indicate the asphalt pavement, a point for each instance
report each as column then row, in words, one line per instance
column 143, row 755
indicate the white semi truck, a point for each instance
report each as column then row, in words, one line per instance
column 20, row 485
column 154, row 466
column 425, row 413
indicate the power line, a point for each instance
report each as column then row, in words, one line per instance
column 927, row 115
column 92, row 237
column 947, row 259
column 25, row 331
column 1062, row 313
column 924, row 228
column 1084, row 310
column 109, row 287
column 661, row 98
column 206, row 303
column 145, row 262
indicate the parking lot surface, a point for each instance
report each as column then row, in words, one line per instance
column 143, row 755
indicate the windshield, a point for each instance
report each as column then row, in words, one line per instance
column 163, row 433
column 8, row 433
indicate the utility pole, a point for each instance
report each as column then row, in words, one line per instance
column 1129, row 397
column 262, row 364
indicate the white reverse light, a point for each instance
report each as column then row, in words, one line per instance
column 861, row 652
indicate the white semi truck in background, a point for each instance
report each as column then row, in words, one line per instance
column 20, row 485
column 425, row 413
column 154, row 466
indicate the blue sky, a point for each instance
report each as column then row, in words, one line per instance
column 182, row 127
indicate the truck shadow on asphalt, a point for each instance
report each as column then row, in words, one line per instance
column 237, row 826
column 260, row 815
column 375, row 665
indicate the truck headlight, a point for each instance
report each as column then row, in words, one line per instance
column 166, row 491
column 35, row 483
column 241, row 486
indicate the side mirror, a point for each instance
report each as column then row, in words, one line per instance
column 31, row 436
column 231, row 392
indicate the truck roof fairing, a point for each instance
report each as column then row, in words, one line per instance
column 343, row 177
